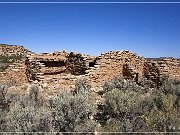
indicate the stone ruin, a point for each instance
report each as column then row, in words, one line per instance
column 58, row 68
column 15, row 71
column 63, row 69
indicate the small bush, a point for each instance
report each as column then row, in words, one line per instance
column 170, row 86
column 164, row 114
column 34, row 95
column 121, row 84
column 82, row 87
column 28, row 119
column 3, row 121
column 129, row 113
column 71, row 113
column 124, row 111
column 4, row 103
column 122, row 102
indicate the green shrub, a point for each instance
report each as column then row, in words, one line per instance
column 124, row 111
column 34, row 95
column 170, row 86
column 82, row 87
column 4, row 103
column 122, row 101
column 3, row 121
column 71, row 113
column 122, row 84
column 22, row 114
column 28, row 119
column 164, row 115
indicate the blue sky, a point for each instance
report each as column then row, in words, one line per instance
column 150, row 30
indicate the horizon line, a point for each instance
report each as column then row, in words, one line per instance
column 53, row 2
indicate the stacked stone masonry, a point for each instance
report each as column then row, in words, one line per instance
column 112, row 64
column 63, row 68
column 15, row 74
column 9, row 50
column 15, row 71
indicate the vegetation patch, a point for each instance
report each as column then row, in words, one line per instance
column 125, row 108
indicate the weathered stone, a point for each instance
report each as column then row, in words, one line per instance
column 64, row 69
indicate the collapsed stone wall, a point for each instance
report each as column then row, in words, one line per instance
column 9, row 50
column 15, row 74
column 12, row 64
column 65, row 68
column 75, row 64
column 112, row 64
column 40, row 65
column 62, row 69
column 157, row 68
column 56, row 69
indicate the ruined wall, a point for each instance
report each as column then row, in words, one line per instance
column 42, row 64
column 156, row 68
column 12, row 64
column 112, row 64
column 15, row 74
column 55, row 70
column 62, row 69
column 9, row 50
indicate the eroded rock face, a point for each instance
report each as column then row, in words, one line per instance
column 63, row 69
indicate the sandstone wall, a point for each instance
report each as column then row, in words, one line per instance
column 158, row 67
column 44, row 64
column 58, row 70
column 62, row 69
column 112, row 64
column 15, row 74
column 9, row 50
column 12, row 59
